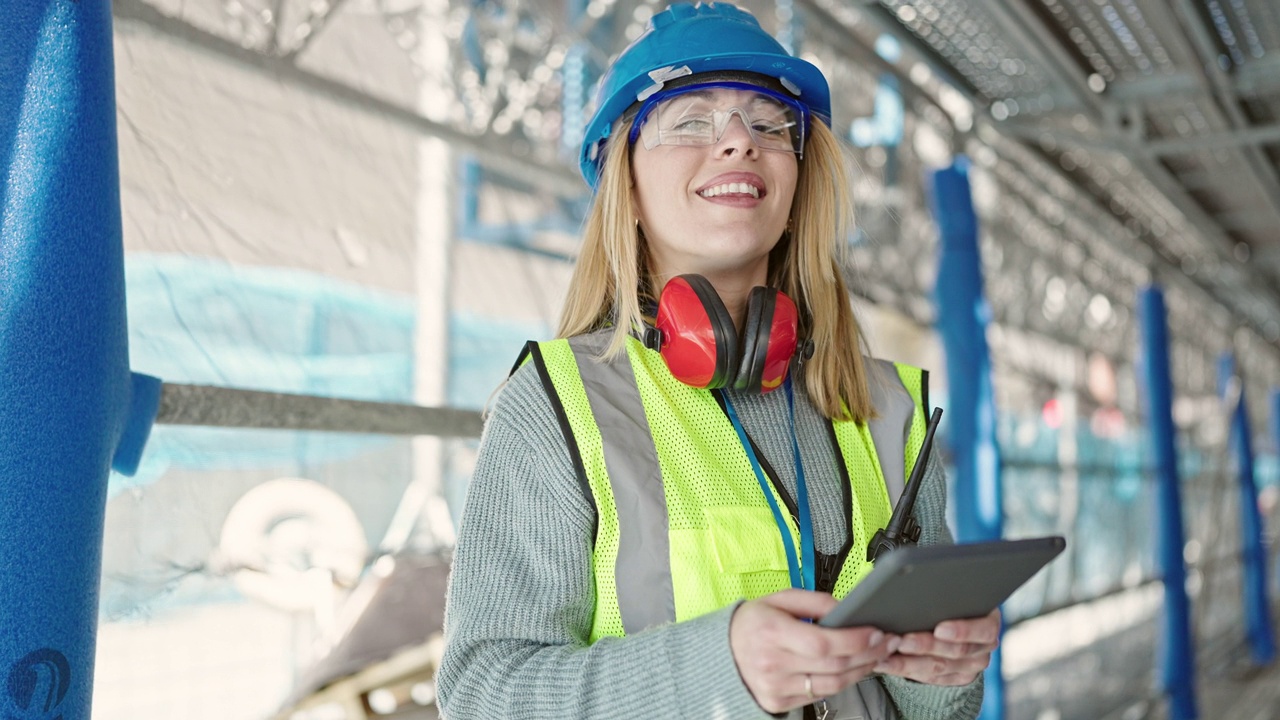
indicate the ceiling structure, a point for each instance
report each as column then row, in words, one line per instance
column 1173, row 103
column 1144, row 133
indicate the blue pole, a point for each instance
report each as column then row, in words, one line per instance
column 963, row 314
column 1275, row 433
column 70, row 410
column 1257, row 613
column 1178, row 663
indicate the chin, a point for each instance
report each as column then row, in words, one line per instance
column 731, row 254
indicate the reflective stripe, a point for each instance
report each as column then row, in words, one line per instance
column 532, row 350
column 895, row 409
column 643, row 569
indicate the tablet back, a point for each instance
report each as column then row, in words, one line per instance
column 912, row 589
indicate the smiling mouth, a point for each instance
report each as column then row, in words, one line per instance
column 730, row 189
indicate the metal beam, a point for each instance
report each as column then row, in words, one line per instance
column 1155, row 87
column 1154, row 147
column 1019, row 21
column 496, row 153
column 231, row 407
column 1038, row 133
column 1245, row 220
column 1226, row 139
column 1258, row 77
column 1220, row 86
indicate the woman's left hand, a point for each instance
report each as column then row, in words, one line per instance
column 955, row 653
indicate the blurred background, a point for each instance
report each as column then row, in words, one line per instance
column 378, row 200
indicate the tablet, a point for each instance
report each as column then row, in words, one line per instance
column 913, row 588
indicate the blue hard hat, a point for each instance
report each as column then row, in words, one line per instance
column 687, row 39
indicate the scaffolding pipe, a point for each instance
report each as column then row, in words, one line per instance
column 1177, row 662
column 963, row 315
column 1257, row 614
column 70, row 410
column 1275, row 435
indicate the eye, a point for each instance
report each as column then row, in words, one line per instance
column 779, row 128
column 692, row 124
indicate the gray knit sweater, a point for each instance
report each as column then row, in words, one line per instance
column 521, row 596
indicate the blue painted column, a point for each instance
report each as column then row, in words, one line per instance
column 69, row 407
column 1257, row 615
column 963, row 315
column 1178, row 661
column 1275, row 434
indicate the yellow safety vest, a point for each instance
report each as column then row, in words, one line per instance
column 683, row 527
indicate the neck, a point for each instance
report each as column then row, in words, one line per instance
column 733, row 292
column 733, row 285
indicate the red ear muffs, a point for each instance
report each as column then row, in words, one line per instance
column 783, row 332
column 700, row 345
column 698, row 340
column 769, row 336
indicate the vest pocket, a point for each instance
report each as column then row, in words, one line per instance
column 745, row 540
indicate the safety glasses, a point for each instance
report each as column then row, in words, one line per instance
column 700, row 114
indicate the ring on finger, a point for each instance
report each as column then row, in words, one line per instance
column 808, row 685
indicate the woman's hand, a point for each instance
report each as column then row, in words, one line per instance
column 955, row 653
column 787, row 662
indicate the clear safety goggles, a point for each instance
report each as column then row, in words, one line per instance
column 699, row 115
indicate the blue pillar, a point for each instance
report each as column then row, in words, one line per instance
column 69, row 407
column 1257, row 614
column 1178, row 661
column 1275, row 434
column 963, row 315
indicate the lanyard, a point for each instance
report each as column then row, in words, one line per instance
column 802, row 573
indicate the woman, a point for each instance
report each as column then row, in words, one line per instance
column 666, row 496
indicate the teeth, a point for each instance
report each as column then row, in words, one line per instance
column 731, row 189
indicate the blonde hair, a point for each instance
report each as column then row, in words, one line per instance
column 613, row 270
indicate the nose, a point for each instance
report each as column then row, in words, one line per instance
column 736, row 137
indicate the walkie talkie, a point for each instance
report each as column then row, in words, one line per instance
column 903, row 529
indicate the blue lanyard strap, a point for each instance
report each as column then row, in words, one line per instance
column 807, row 562
column 802, row 573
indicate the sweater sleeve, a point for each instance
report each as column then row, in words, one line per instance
column 918, row 701
column 521, row 598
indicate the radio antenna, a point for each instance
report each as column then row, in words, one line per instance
column 903, row 528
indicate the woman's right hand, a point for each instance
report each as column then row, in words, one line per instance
column 787, row 662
